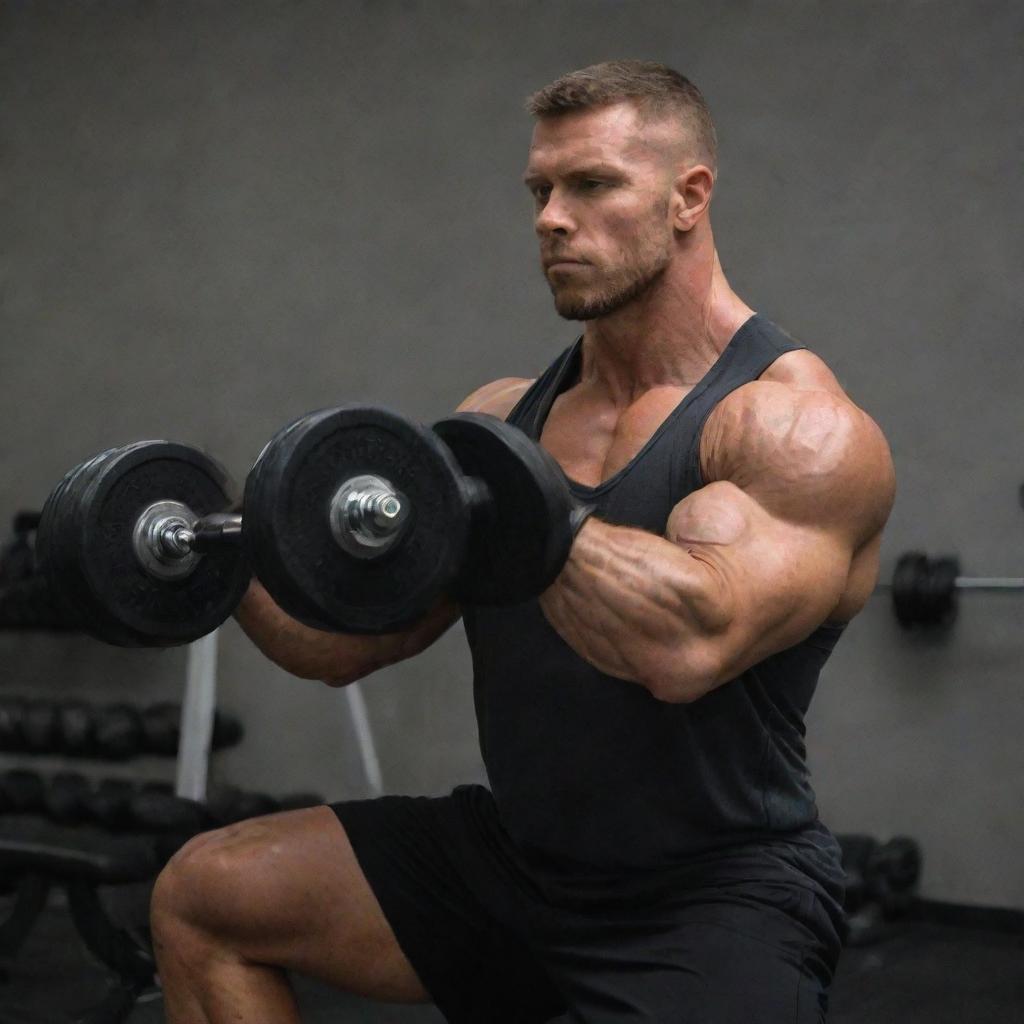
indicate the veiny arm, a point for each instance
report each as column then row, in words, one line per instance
column 750, row 564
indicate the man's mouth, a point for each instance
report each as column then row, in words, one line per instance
column 562, row 263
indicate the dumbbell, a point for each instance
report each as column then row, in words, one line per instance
column 76, row 728
column 110, row 805
column 156, row 811
column 21, row 791
column 42, row 727
column 894, row 868
column 17, row 559
column 228, row 805
column 356, row 520
column 12, row 709
column 39, row 727
column 68, row 798
column 118, row 735
column 161, row 729
column 111, row 732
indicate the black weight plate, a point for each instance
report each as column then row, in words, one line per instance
column 908, row 582
column 520, row 540
column 942, row 591
column 123, row 603
column 300, row 592
column 55, row 544
column 286, row 524
column 60, row 535
column 924, row 590
column 59, row 546
column 258, row 530
column 98, row 618
column 160, row 612
column 63, row 524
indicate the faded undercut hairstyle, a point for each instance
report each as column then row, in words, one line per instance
column 657, row 90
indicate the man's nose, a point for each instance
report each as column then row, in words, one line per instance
column 554, row 217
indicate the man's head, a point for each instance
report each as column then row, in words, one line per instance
column 622, row 164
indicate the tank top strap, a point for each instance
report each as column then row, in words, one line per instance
column 530, row 412
column 752, row 349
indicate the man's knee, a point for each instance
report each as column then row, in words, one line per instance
column 198, row 886
column 284, row 890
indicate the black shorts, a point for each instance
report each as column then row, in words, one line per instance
column 491, row 947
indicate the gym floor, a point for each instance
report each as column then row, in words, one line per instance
column 922, row 972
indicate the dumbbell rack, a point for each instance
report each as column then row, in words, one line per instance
column 199, row 699
column 41, row 856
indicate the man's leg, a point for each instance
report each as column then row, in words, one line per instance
column 703, row 963
column 235, row 908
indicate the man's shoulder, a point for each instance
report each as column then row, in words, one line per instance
column 803, row 370
column 498, row 398
column 795, row 437
column 789, row 410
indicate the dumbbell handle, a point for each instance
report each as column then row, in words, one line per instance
column 176, row 538
column 360, row 514
column 365, row 511
column 212, row 531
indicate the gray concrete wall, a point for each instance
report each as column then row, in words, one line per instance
column 217, row 216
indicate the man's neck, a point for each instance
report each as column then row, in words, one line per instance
column 669, row 337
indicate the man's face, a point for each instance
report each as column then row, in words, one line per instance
column 601, row 182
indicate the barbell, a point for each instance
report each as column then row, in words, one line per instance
column 925, row 590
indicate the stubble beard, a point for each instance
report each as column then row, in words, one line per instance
column 625, row 284
column 612, row 297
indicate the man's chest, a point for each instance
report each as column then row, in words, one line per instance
column 592, row 440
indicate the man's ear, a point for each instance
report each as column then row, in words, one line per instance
column 691, row 194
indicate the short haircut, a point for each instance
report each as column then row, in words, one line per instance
column 657, row 90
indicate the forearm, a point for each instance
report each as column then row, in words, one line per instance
column 334, row 658
column 640, row 608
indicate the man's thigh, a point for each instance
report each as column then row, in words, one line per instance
column 286, row 890
column 709, row 963
column 453, row 906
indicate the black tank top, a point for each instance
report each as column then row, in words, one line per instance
column 591, row 775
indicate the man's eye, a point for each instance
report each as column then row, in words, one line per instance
column 541, row 192
column 591, row 184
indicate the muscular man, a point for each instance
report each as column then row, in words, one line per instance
column 649, row 848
